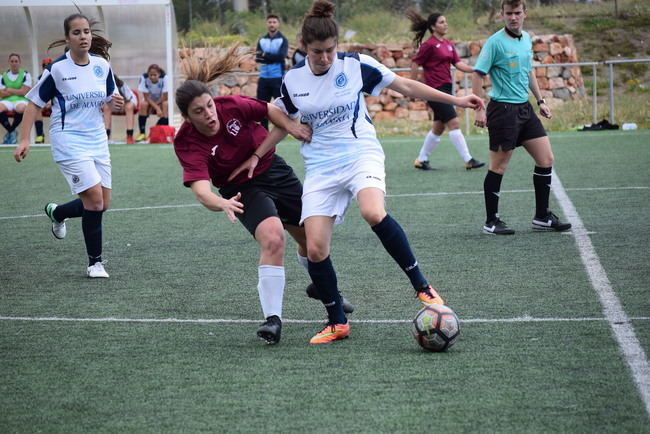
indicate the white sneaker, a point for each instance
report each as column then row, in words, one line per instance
column 58, row 228
column 97, row 270
column 111, row 142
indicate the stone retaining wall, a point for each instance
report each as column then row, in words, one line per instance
column 557, row 83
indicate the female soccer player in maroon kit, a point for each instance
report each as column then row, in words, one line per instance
column 435, row 56
column 218, row 135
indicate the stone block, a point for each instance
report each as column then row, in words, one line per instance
column 553, row 71
column 390, row 107
column 417, row 105
column 389, row 62
column 463, row 49
column 382, row 116
column 561, row 93
column 474, row 48
column 249, row 90
column 542, row 82
column 403, row 62
column 555, row 83
column 555, row 48
column 401, row 113
column 418, row 115
column 541, row 47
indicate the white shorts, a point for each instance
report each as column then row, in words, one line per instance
column 330, row 193
column 11, row 105
column 86, row 173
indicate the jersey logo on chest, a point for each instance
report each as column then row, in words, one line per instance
column 233, row 126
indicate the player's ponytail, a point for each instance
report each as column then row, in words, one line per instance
column 319, row 24
column 98, row 45
column 202, row 71
column 420, row 26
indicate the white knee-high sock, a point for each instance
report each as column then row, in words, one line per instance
column 302, row 260
column 458, row 140
column 270, row 286
column 430, row 143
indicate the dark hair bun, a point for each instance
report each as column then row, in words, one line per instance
column 322, row 8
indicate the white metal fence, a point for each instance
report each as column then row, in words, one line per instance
column 132, row 80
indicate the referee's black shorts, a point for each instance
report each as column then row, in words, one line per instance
column 274, row 193
column 441, row 111
column 509, row 125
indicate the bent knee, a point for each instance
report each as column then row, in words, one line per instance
column 373, row 217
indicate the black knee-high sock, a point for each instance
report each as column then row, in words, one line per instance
column 4, row 121
column 163, row 121
column 491, row 191
column 142, row 123
column 18, row 118
column 542, row 182
column 129, row 132
column 69, row 210
column 91, row 225
column 324, row 277
column 39, row 128
column 108, row 133
column 396, row 243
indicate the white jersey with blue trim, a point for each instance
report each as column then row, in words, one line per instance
column 77, row 93
column 333, row 105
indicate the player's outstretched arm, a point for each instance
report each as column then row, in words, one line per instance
column 213, row 202
column 415, row 89
column 25, row 129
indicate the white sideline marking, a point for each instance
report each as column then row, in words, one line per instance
column 443, row 193
column 612, row 308
column 523, row 319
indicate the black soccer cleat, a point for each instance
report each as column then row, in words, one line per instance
column 473, row 164
column 422, row 165
column 312, row 292
column 497, row 227
column 550, row 223
column 271, row 330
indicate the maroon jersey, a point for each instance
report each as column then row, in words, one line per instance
column 215, row 158
column 436, row 56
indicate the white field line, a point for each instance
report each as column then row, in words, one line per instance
column 612, row 309
column 524, row 319
column 453, row 193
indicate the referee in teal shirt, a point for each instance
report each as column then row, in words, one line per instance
column 511, row 120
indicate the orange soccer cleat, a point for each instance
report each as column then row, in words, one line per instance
column 330, row 333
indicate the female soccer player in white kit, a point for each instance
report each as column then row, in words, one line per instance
column 345, row 160
column 79, row 83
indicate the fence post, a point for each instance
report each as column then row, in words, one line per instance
column 594, row 98
column 611, row 93
column 467, row 111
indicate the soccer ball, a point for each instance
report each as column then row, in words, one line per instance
column 436, row 327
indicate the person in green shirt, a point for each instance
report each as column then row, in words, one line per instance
column 15, row 82
column 507, row 57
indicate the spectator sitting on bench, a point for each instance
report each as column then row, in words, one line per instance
column 153, row 90
column 130, row 107
column 38, row 122
column 14, row 85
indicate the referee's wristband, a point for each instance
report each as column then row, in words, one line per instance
column 541, row 101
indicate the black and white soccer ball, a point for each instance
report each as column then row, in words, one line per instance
column 436, row 327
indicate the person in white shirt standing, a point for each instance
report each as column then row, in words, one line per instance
column 80, row 82
column 14, row 85
column 344, row 159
